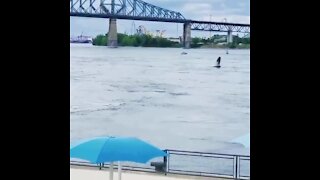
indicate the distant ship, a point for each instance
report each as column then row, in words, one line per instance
column 81, row 39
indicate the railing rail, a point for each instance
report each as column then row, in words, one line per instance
column 193, row 163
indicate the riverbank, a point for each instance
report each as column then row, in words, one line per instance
column 214, row 46
column 146, row 40
column 143, row 40
column 201, row 47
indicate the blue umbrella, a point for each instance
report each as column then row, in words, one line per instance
column 244, row 140
column 111, row 149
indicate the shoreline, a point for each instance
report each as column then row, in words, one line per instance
column 202, row 47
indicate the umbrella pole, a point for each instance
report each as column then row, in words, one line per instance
column 119, row 170
column 111, row 171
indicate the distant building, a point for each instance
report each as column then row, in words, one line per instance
column 81, row 39
column 220, row 39
column 174, row 39
column 177, row 40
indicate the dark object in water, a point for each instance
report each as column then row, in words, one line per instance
column 218, row 63
column 184, row 53
column 227, row 52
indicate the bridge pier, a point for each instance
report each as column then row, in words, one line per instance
column 112, row 34
column 229, row 37
column 186, row 35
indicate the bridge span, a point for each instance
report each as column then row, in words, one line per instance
column 140, row 10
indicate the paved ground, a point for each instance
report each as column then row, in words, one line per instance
column 80, row 173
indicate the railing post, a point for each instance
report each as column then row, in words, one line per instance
column 237, row 167
column 166, row 158
column 165, row 161
column 236, row 174
column 101, row 165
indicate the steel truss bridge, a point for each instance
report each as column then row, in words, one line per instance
column 140, row 10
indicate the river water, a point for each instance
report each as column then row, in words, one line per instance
column 171, row 100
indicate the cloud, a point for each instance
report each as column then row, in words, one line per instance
column 213, row 5
column 196, row 7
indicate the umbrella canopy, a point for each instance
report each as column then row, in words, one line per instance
column 244, row 140
column 111, row 149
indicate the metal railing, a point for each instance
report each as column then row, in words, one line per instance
column 192, row 163
column 208, row 164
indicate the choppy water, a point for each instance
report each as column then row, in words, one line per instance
column 171, row 100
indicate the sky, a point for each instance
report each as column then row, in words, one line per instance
column 235, row 11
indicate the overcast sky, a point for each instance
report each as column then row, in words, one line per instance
column 236, row 11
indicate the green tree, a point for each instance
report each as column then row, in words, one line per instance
column 100, row 40
column 195, row 42
column 136, row 40
column 121, row 37
column 126, row 41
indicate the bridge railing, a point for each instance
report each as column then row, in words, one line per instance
column 193, row 163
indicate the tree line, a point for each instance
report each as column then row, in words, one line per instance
column 146, row 40
column 143, row 40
